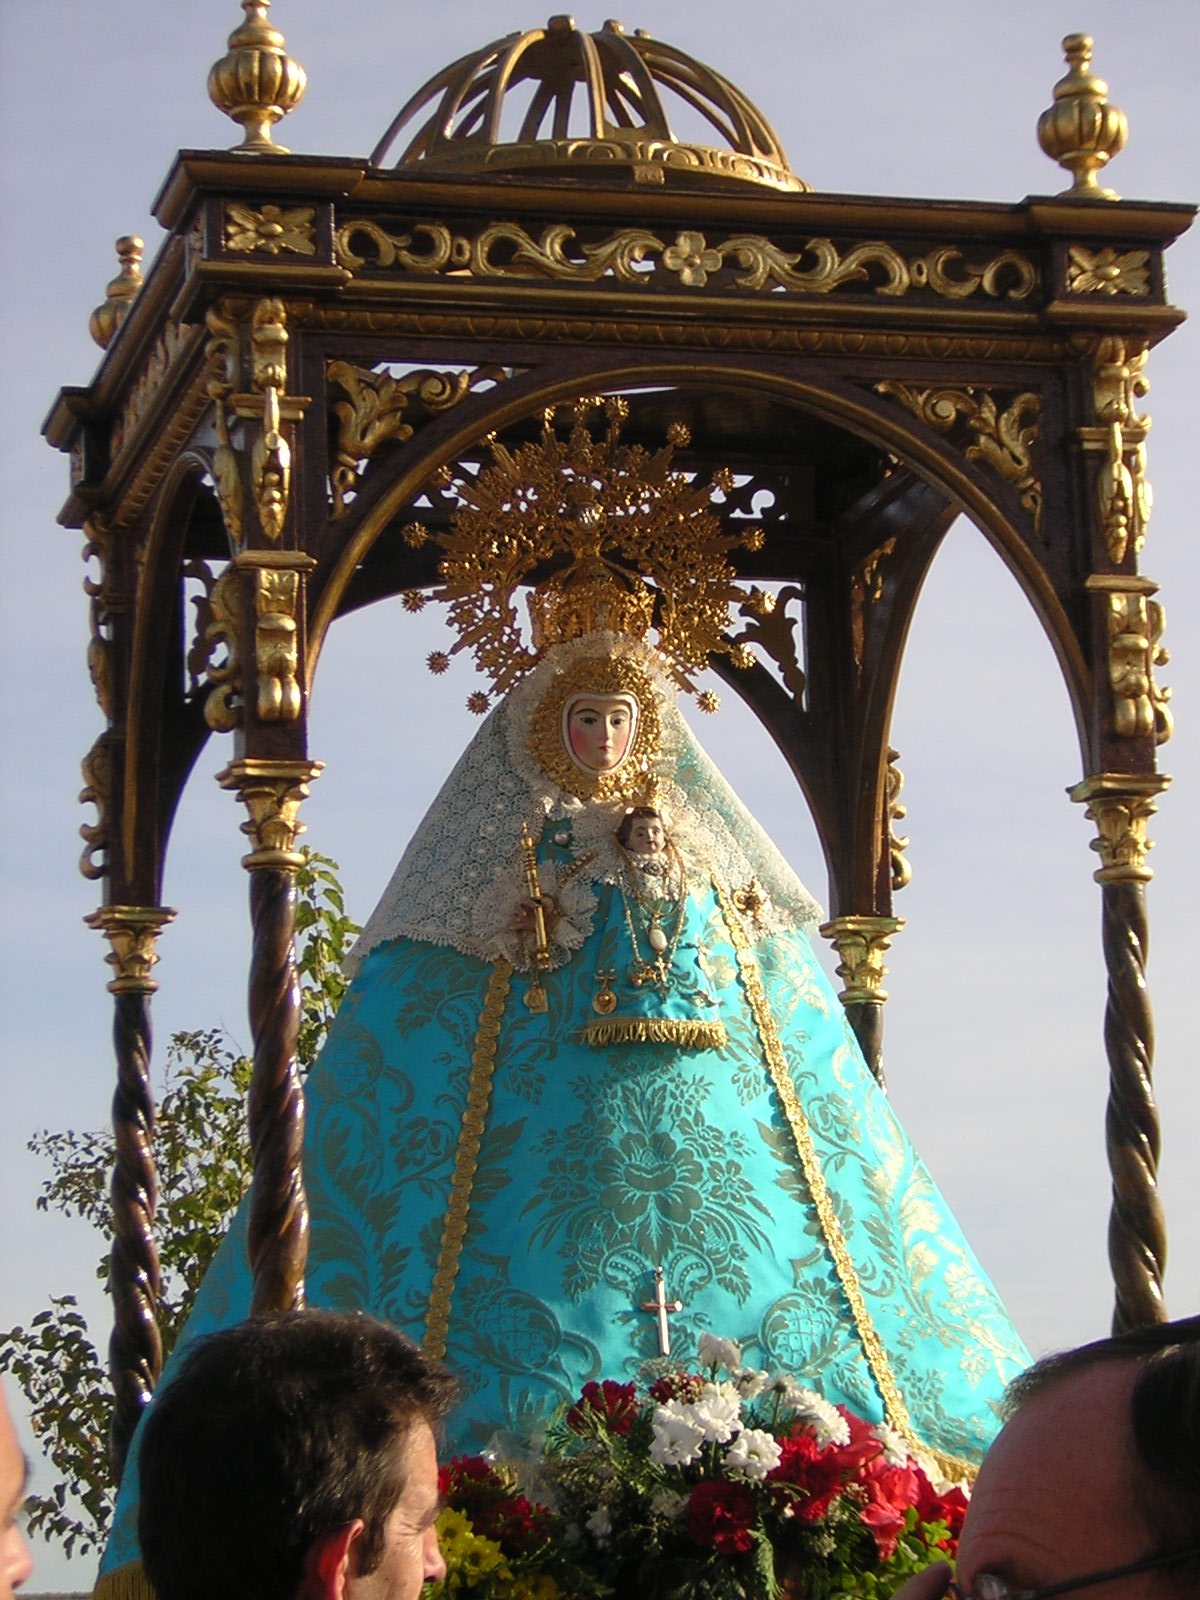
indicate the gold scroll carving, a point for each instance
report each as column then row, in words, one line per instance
column 896, row 812
column 1003, row 439
column 769, row 626
column 271, row 457
column 221, row 355
column 96, row 791
column 222, row 709
column 1136, row 624
column 635, row 256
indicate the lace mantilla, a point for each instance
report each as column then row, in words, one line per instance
column 461, row 880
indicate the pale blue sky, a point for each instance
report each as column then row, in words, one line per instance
column 994, row 1050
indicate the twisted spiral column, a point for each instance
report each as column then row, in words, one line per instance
column 135, row 1348
column 1121, row 806
column 272, row 792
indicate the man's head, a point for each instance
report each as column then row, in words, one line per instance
column 1098, row 1467
column 16, row 1562
column 294, row 1456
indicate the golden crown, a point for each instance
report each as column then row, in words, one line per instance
column 632, row 543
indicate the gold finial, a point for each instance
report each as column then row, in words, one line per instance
column 1081, row 131
column 257, row 82
column 121, row 292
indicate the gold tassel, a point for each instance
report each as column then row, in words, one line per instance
column 687, row 1033
column 128, row 1582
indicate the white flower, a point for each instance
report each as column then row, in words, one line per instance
column 599, row 1525
column 714, row 1352
column 895, row 1449
column 718, row 1411
column 751, row 1382
column 827, row 1423
column 754, row 1453
column 677, row 1435
column 668, row 1504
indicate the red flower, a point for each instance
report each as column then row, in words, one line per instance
column 614, row 1405
column 721, row 1515
column 949, row 1508
column 683, row 1386
column 486, row 1497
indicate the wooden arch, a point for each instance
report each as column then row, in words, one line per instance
column 318, row 337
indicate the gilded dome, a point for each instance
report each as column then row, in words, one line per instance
column 559, row 102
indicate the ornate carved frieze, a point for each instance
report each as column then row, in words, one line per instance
column 637, row 257
column 1121, row 805
column 272, row 792
column 132, row 932
column 271, row 230
column 896, row 812
column 382, row 406
column 1135, row 628
column 168, row 351
column 1124, row 498
column 1107, row 271
column 1004, row 439
column 770, row 628
column 861, row 944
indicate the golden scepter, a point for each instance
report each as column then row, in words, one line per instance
column 535, row 995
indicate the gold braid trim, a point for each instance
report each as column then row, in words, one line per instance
column 687, row 1032
column 479, row 1094
column 126, row 1582
column 835, row 1239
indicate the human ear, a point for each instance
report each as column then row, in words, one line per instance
column 329, row 1564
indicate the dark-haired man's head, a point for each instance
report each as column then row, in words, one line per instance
column 294, row 1458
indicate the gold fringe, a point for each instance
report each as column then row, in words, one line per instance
column 479, row 1096
column 686, row 1032
column 835, row 1240
column 127, row 1582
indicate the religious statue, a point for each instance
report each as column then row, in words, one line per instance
column 590, row 1094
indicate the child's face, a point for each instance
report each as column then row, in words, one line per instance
column 647, row 836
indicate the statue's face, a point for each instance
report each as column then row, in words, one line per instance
column 647, row 836
column 599, row 730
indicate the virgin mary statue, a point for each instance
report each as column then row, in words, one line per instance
column 590, row 1091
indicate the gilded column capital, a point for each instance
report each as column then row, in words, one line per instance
column 862, row 942
column 272, row 792
column 132, row 932
column 1121, row 805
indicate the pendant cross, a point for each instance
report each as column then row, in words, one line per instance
column 662, row 1307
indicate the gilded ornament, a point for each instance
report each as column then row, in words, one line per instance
column 1135, row 628
column 270, row 230
column 866, row 590
column 896, row 812
column 1124, row 498
column 627, row 518
column 132, row 933
column 272, row 792
column 633, row 256
column 121, row 292
column 382, row 406
column 222, row 709
column 172, row 342
column 96, row 791
column 770, row 628
column 1107, row 271
column 1081, row 130
column 276, row 644
column 1002, row 439
column 256, row 82
column 1121, row 805
column 271, row 458
column 861, row 943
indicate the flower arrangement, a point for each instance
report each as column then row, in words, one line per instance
column 740, row 1486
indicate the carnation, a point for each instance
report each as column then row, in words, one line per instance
column 754, row 1453
column 677, row 1435
column 714, row 1352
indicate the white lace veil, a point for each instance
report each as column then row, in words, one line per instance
column 461, row 878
